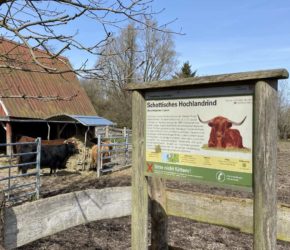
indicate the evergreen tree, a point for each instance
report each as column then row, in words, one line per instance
column 185, row 71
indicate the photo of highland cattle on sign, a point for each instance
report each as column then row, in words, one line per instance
column 205, row 139
column 221, row 134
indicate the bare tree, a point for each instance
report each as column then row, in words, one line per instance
column 55, row 24
column 158, row 57
column 119, row 61
column 283, row 110
column 135, row 55
column 98, row 95
column 138, row 55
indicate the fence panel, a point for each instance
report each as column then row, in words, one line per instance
column 17, row 186
column 114, row 149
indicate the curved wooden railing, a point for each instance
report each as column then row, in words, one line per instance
column 38, row 219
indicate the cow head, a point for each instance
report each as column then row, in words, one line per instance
column 72, row 149
column 219, row 125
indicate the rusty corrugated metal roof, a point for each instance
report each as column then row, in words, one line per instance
column 27, row 94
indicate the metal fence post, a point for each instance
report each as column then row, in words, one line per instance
column 126, row 135
column 38, row 157
column 99, row 156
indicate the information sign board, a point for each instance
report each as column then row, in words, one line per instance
column 208, row 139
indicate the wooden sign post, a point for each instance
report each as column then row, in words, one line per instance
column 219, row 130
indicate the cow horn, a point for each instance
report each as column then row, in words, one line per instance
column 206, row 122
column 238, row 123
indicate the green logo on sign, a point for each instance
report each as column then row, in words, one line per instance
column 220, row 176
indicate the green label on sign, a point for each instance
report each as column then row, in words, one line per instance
column 199, row 174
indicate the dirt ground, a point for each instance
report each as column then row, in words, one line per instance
column 183, row 233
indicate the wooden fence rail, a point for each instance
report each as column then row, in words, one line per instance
column 230, row 212
column 35, row 220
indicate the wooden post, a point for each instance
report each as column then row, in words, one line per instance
column 9, row 149
column 107, row 132
column 265, row 151
column 159, row 218
column 61, row 130
column 57, row 131
column 139, row 181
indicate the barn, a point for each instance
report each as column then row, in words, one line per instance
column 34, row 102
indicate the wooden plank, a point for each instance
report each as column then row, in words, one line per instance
column 265, row 165
column 235, row 79
column 224, row 211
column 9, row 148
column 159, row 218
column 32, row 221
column 218, row 210
column 139, row 181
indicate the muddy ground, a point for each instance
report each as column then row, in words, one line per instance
column 183, row 233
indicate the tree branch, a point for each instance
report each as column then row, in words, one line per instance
column 36, row 24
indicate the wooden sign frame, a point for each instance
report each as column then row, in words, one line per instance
column 180, row 145
column 265, row 158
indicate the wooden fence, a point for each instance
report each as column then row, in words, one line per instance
column 38, row 219
column 35, row 220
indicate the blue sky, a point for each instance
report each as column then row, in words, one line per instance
column 225, row 36
column 231, row 36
